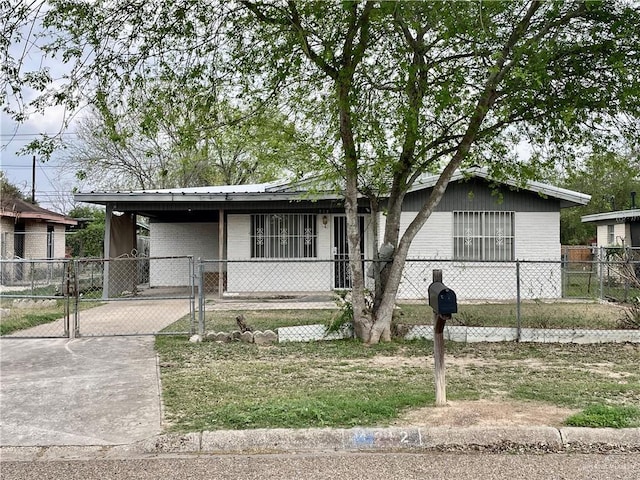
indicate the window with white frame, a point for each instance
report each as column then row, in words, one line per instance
column 283, row 235
column 483, row 236
column 611, row 234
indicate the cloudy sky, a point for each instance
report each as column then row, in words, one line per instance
column 53, row 184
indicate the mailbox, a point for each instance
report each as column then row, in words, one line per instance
column 442, row 299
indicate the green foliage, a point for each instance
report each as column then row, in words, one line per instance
column 88, row 241
column 606, row 416
column 19, row 320
column 344, row 315
column 609, row 178
column 381, row 92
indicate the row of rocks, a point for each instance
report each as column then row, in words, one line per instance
column 260, row 338
column 30, row 303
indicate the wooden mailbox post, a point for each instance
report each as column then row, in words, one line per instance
column 443, row 301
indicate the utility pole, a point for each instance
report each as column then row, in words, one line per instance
column 33, row 181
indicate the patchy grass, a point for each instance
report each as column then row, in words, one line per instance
column 19, row 320
column 600, row 416
column 344, row 383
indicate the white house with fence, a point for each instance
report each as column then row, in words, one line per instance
column 279, row 238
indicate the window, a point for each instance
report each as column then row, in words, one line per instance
column 483, row 235
column 50, row 244
column 611, row 234
column 283, row 236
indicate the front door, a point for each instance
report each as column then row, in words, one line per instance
column 342, row 271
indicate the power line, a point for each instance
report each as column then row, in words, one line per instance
column 15, row 135
column 4, row 165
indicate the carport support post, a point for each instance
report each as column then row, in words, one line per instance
column 438, row 351
column 220, row 253
column 107, row 250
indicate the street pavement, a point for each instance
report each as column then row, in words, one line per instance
column 337, row 466
column 99, row 398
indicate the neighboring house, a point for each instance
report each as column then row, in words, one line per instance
column 275, row 235
column 28, row 231
column 621, row 228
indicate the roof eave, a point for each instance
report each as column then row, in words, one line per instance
column 620, row 216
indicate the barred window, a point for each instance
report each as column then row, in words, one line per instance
column 283, row 235
column 483, row 236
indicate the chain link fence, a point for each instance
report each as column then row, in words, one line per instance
column 574, row 299
column 33, row 300
column 97, row 297
column 498, row 301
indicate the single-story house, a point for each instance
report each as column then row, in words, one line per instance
column 616, row 229
column 28, row 231
column 280, row 237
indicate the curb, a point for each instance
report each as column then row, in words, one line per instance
column 395, row 439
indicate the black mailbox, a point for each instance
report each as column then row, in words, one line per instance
column 442, row 299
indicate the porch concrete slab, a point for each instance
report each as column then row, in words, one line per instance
column 89, row 391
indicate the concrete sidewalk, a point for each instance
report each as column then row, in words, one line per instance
column 140, row 316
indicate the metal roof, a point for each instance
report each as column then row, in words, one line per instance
column 297, row 190
column 620, row 216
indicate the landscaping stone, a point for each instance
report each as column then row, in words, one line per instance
column 265, row 338
column 195, row 339
column 30, row 303
column 223, row 337
column 235, row 335
column 246, row 337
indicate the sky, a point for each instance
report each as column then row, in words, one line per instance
column 53, row 184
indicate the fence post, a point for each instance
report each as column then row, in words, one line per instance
column 601, row 272
column 201, row 297
column 74, row 290
column 66, row 289
column 518, row 303
column 33, row 277
column 192, row 296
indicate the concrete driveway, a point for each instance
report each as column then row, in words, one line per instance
column 92, row 391
column 88, row 390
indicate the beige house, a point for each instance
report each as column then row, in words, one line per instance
column 28, row 231
column 619, row 229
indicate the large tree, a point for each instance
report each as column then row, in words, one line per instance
column 176, row 148
column 403, row 88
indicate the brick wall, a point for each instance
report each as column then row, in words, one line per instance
column 199, row 240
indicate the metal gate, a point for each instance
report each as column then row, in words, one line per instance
column 101, row 297
column 33, row 301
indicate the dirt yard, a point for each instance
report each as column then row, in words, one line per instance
column 499, row 412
